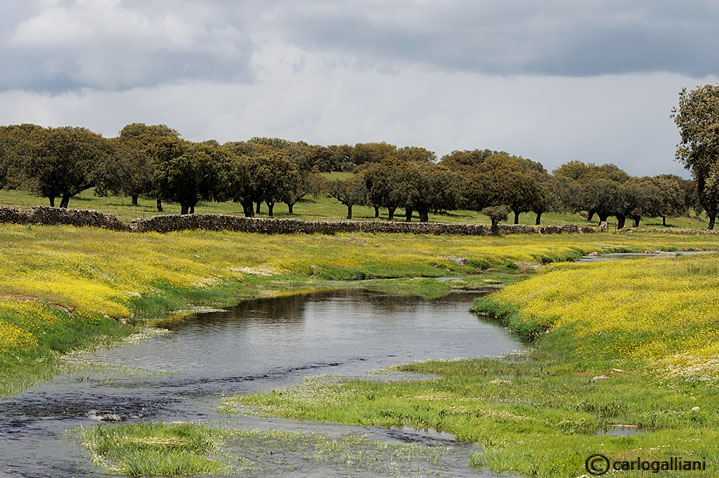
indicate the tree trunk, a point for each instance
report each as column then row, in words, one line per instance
column 590, row 215
column 52, row 201
column 134, row 199
column 249, row 209
column 603, row 218
column 376, row 211
column 349, row 211
column 290, row 206
column 270, row 207
column 664, row 221
column 620, row 221
column 259, row 203
column 65, row 201
column 635, row 221
column 184, row 208
column 516, row 218
column 408, row 215
column 192, row 209
column 539, row 219
column 711, row 222
column 390, row 212
column 423, row 215
column 159, row 204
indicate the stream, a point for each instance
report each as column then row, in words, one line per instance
column 258, row 345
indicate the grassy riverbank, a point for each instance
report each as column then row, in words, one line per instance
column 64, row 288
column 623, row 343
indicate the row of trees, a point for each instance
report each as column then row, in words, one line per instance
column 154, row 161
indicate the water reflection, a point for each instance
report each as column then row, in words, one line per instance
column 260, row 344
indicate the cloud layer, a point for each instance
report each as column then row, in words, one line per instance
column 554, row 81
column 58, row 45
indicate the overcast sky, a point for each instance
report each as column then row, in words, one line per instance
column 553, row 81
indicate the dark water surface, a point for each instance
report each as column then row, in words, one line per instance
column 258, row 345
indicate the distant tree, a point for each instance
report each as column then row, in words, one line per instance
column 66, row 163
column 323, row 158
column 187, row 173
column 496, row 214
column 466, row 161
column 317, row 184
column 381, row 180
column 423, row 187
column 236, row 182
column 298, row 187
column 567, row 194
column 697, row 117
column 601, row 196
column 573, row 170
column 506, row 181
column 672, row 200
column 341, row 157
column 415, row 154
column 350, row 192
column 545, row 195
column 372, row 153
column 278, row 180
column 637, row 198
column 133, row 130
column 443, row 189
column 581, row 188
column 19, row 145
column 132, row 170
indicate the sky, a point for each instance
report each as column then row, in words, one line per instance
column 553, row 81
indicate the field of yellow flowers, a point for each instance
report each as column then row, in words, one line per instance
column 63, row 287
column 660, row 310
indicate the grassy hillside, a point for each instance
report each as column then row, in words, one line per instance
column 311, row 209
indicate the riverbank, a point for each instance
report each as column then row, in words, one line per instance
column 624, row 367
column 83, row 284
column 66, row 288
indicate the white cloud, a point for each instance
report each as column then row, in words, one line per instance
column 108, row 44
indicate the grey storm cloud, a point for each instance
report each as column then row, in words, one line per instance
column 565, row 38
column 59, row 45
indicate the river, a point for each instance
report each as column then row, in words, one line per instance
column 258, row 345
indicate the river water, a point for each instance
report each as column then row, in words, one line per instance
column 258, row 345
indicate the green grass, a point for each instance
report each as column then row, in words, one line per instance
column 637, row 350
column 157, row 449
column 311, row 208
column 95, row 273
column 189, row 448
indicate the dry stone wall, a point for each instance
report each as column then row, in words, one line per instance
column 45, row 215
column 209, row 222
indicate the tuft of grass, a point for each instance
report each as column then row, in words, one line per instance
column 157, row 448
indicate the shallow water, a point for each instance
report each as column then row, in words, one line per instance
column 618, row 256
column 258, row 345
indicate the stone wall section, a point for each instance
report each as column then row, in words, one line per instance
column 44, row 215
